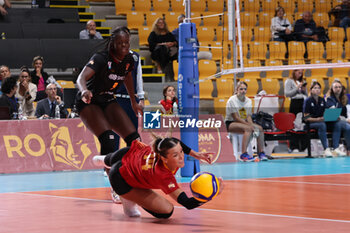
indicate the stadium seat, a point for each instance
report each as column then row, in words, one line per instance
column 334, row 50
column 262, row 34
column 142, row 5
column 205, row 34
column 248, row 19
column 205, row 89
column 296, row 50
column 160, row 5
column 265, row 19
column 213, row 21
column 216, row 6
column 220, row 105
column 123, row 7
column 253, row 86
column 274, row 73
column 224, row 87
column 270, row 85
column 136, row 19
column 340, row 72
column 336, row 34
column 143, row 34
column 319, row 73
column 247, row 34
column 296, row 62
column 206, row 68
column 269, row 6
column 199, row 6
column 176, row 69
column 177, row 6
column 277, row 50
column 171, row 19
column 251, row 63
column 304, row 5
column 250, row 6
column 321, row 19
column 258, row 50
column 51, row 31
column 315, row 50
column 152, row 16
column 66, row 84
column 216, row 52
column 288, row 5
column 347, row 48
column 323, row 6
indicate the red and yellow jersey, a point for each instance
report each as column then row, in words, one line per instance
column 143, row 169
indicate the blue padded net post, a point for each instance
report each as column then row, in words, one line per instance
column 188, row 92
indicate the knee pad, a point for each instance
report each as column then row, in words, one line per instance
column 108, row 140
column 131, row 137
column 157, row 215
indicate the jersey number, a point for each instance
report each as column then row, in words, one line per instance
column 149, row 161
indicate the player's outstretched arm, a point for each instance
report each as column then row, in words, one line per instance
column 189, row 203
column 204, row 156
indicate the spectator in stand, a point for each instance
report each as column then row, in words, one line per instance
column 46, row 107
column 26, row 93
column 239, row 120
column 281, row 28
column 4, row 73
column 9, row 88
column 4, row 4
column 341, row 14
column 337, row 98
column 314, row 107
column 305, row 28
column 90, row 32
column 169, row 94
column 40, row 78
column 163, row 47
column 295, row 88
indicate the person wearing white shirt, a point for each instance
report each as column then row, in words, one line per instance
column 239, row 120
column 90, row 32
column 280, row 25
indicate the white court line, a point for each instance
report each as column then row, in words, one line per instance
column 204, row 209
column 299, row 182
column 62, row 197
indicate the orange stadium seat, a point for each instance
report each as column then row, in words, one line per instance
column 323, row 6
column 340, row 72
column 205, row 89
column 198, row 6
column 270, row 85
column 152, row 16
column 136, row 19
column 143, row 34
column 336, row 34
column 216, row 5
column 288, row 5
column 160, row 5
column 277, row 50
column 321, row 19
column 220, row 105
column 296, row 50
column 247, row 34
column 224, row 87
column 274, row 73
column 177, row 6
column 347, row 49
column 206, row 68
column 269, row 6
column 265, row 19
column 171, row 19
column 262, row 34
column 250, row 6
column 205, row 34
column 305, row 5
column 334, row 50
column 176, row 69
column 142, row 5
column 248, row 19
column 212, row 21
column 315, row 50
column 258, row 50
column 123, row 7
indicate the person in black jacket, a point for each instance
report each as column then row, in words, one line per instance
column 7, row 99
column 163, row 47
column 305, row 28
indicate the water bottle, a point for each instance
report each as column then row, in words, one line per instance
column 3, row 37
column 57, row 112
column 34, row 4
column 20, row 113
column 175, row 110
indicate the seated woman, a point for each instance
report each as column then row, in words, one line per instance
column 336, row 98
column 163, row 47
column 169, row 99
column 239, row 120
column 26, row 93
column 314, row 107
column 281, row 28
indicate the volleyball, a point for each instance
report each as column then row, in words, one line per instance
column 204, row 186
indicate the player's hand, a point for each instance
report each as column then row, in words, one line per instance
column 221, row 185
column 138, row 108
column 86, row 96
column 38, row 72
column 58, row 99
column 204, row 156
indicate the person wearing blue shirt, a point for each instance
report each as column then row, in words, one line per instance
column 313, row 110
column 336, row 98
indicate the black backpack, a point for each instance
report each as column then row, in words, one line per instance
column 263, row 119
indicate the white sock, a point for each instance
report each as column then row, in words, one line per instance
column 99, row 160
column 130, row 208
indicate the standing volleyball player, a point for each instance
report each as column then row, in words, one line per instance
column 97, row 84
column 138, row 169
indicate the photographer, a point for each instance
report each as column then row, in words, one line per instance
column 281, row 28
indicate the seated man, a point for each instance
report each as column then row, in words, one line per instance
column 305, row 28
column 46, row 107
column 90, row 31
column 7, row 99
column 341, row 14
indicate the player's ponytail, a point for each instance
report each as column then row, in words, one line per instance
column 162, row 145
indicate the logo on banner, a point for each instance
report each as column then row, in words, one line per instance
column 63, row 150
column 151, row 120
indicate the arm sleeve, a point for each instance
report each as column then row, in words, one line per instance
column 188, row 203
column 152, row 41
column 139, row 81
column 289, row 91
column 83, row 35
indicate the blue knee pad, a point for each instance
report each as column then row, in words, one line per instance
column 108, row 140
